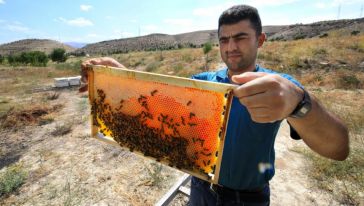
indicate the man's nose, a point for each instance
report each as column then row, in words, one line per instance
column 232, row 45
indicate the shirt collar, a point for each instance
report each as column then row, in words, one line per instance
column 223, row 73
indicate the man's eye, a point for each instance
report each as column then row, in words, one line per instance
column 240, row 38
column 223, row 41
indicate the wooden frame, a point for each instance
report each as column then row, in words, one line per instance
column 220, row 88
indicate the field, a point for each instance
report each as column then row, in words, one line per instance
column 47, row 157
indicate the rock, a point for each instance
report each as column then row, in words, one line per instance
column 361, row 65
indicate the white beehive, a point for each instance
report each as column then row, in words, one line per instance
column 61, row 82
column 74, row 81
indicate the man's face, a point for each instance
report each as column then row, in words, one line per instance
column 239, row 46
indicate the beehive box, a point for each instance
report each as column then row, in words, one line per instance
column 177, row 121
column 74, row 81
column 61, row 82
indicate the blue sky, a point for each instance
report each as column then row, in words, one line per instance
column 92, row 21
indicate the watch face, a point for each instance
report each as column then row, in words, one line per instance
column 303, row 107
column 304, row 110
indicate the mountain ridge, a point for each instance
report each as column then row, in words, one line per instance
column 159, row 41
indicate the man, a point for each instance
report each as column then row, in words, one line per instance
column 262, row 100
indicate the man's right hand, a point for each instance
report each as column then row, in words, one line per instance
column 105, row 61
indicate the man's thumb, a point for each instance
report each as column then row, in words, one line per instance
column 246, row 77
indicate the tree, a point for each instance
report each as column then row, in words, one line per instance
column 1, row 59
column 33, row 58
column 207, row 47
column 58, row 55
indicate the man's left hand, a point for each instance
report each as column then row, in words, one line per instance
column 268, row 97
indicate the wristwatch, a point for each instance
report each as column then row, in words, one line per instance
column 303, row 107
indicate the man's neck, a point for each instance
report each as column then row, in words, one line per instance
column 232, row 73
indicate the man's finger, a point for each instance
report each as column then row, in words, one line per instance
column 83, row 88
column 257, row 100
column 247, row 77
column 253, row 87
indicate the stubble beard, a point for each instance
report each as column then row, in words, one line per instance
column 240, row 66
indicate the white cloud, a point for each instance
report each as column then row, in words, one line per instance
column 17, row 28
column 79, row 22
column 215, row 11
column 84, row 7
column 336, row 3
column 2, row 2
column 92, row 35
column 120, row 34
column 256, row 3
column 178, row 22
column 320, row 5
column 211, row 11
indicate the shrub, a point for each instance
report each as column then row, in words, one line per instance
column 207, row 47
column 324, row 35
column 355, row 32
column 299, row 36
column 58, row 55
column 62, row 129
column 152, row 66
column 1, row 59
column 349, row 81
column 319, row 51
column 11, row 179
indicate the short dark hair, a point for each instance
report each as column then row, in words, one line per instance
column 241, row 12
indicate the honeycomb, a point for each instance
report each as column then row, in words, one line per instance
column 179, row 122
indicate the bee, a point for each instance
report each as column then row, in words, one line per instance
column 141, row 97
column 192, row 115
column 183, row 120
column 189, row 103
column 206, row 154
column 192, row 124
column 153, row 92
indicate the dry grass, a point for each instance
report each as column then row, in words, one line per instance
column 345, row 179
column 15, row 119
column 183, row 62
column 333, row 52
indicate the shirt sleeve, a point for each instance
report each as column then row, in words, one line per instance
column 293, row 133
column 201, row 76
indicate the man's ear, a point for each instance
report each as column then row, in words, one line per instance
column 261, row 39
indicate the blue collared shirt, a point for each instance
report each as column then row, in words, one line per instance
column 247, row 143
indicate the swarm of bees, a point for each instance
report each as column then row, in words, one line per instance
column 132, row 132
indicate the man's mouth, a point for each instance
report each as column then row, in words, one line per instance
column 233, row 56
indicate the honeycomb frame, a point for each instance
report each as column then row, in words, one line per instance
column 128, row 118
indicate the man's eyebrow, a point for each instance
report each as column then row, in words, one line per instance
column 234, row 36
column 239, row 35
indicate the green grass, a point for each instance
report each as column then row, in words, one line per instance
column 12, row 178
column 70, row 66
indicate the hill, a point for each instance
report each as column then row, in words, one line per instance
column 45, row 45
column 151, row 42
column 198, row 38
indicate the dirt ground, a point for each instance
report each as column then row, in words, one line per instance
column 74, row 169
